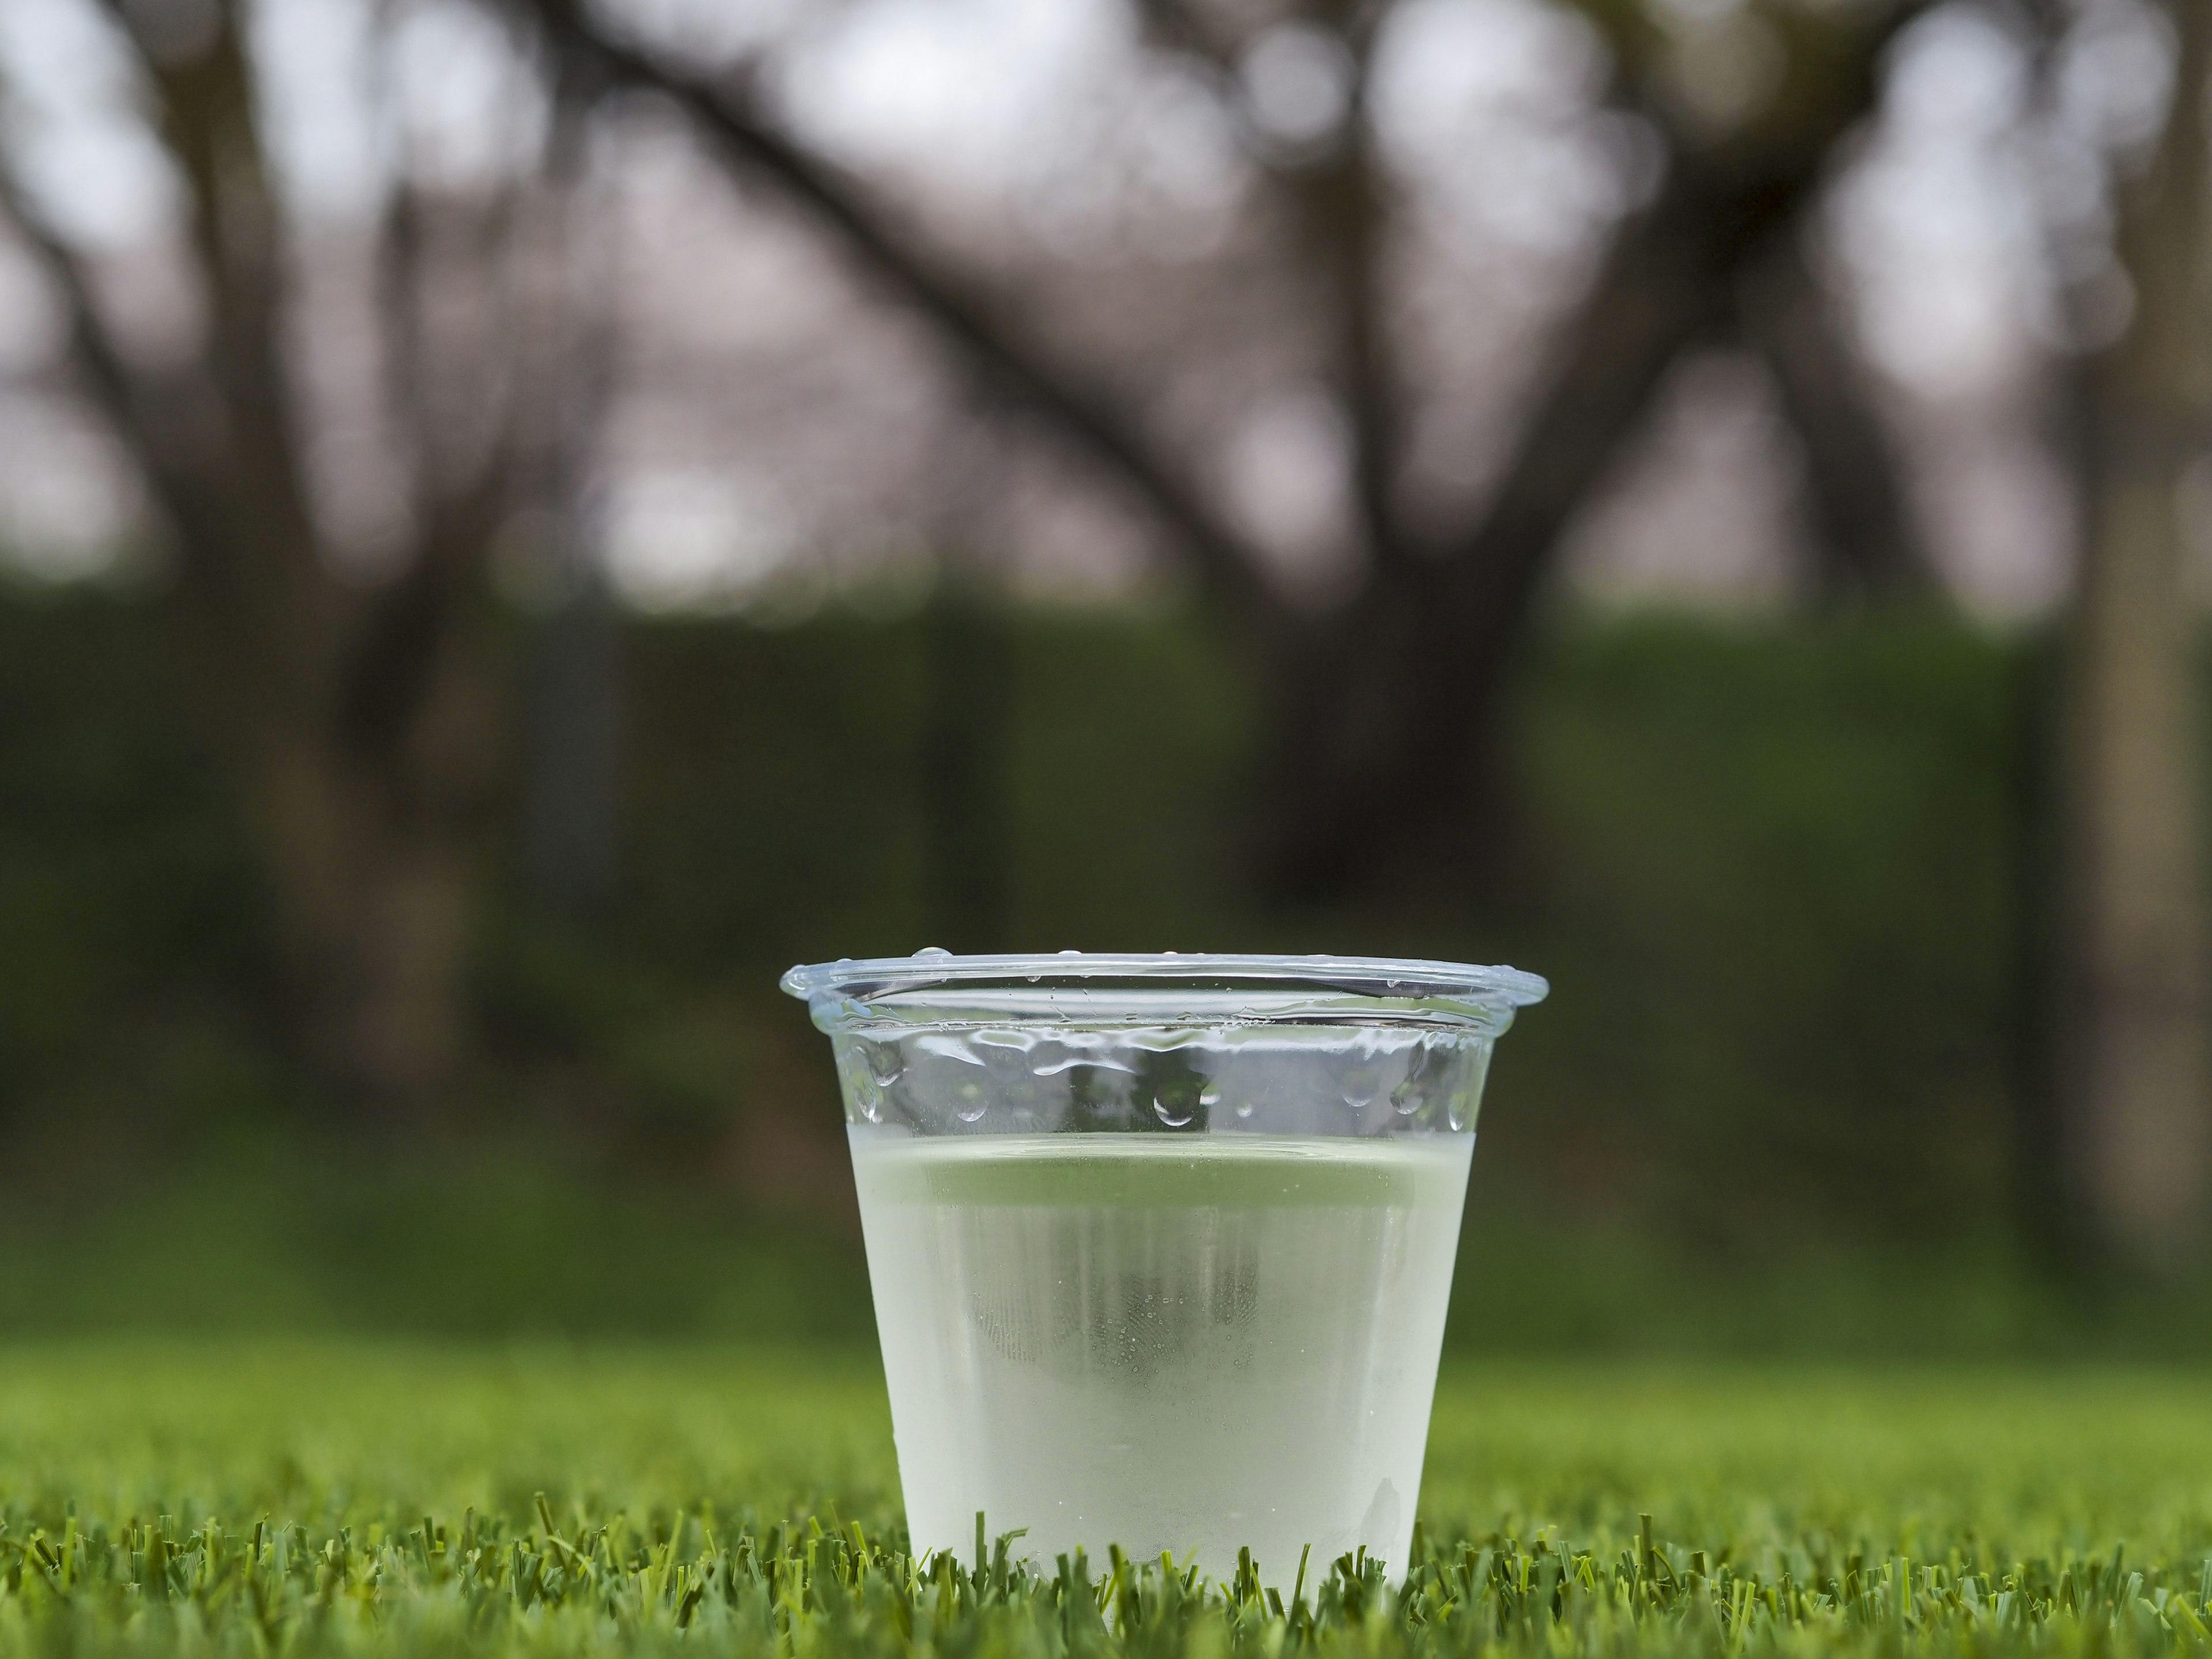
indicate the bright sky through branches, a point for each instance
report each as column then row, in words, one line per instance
column 1054, row 123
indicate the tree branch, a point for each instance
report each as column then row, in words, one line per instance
column 155, row 424
column 462, row 479
column 1341, row 202
column 90, row 347
column 207, row 119
column 222, row 444
column 1384, row 739
column 1230, row 569
column 1346, row 203
column 1868, row 535
column 1666, row 282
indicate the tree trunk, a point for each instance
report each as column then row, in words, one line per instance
column 2140, row 1112
column 967, row 812
column 1382, row 768
column 568, row 816
column 371, row 840
column 574, row 693
column 2136, row 991
column 1387, row 712
column 2048, row 1223
column 372, row 917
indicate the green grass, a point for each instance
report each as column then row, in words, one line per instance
column 389, row 1499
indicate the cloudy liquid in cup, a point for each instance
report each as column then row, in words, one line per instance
column 1167, row 1342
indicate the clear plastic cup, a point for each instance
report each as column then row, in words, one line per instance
column 1161, row 1245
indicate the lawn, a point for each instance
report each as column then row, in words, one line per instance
column 386, row 1498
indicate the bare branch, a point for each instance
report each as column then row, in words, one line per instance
column 1868, row 532
column 1341, row 202
column 145, row 419
column 1667, row 280
column 220, row 442
column 1385, row 735
column 394, row 657
column 1346, row 203
column 207, row 109
column 1176, row 24
column 1228, row 566
column 90, row 346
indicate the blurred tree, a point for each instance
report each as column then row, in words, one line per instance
column 970, row 688
column 966, row 759
column 360, row 708
column 1386, row 701
column 569, row 828
column 573, row 718
column 2137, row 1087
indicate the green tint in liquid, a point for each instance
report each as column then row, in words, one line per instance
column 1179, row 1342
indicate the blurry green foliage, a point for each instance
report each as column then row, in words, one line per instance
column 1771, row 868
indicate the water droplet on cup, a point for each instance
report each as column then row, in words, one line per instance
column 885, row 1064
column 971, row 1111
column 1170, row 1116
column 1412, row 1091
column 1209, row 1096
column 1243, row 1109
column 933, row 951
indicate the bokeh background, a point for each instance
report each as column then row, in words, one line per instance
column 521, row 520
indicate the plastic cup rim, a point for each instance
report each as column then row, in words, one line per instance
column 1392, row 979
